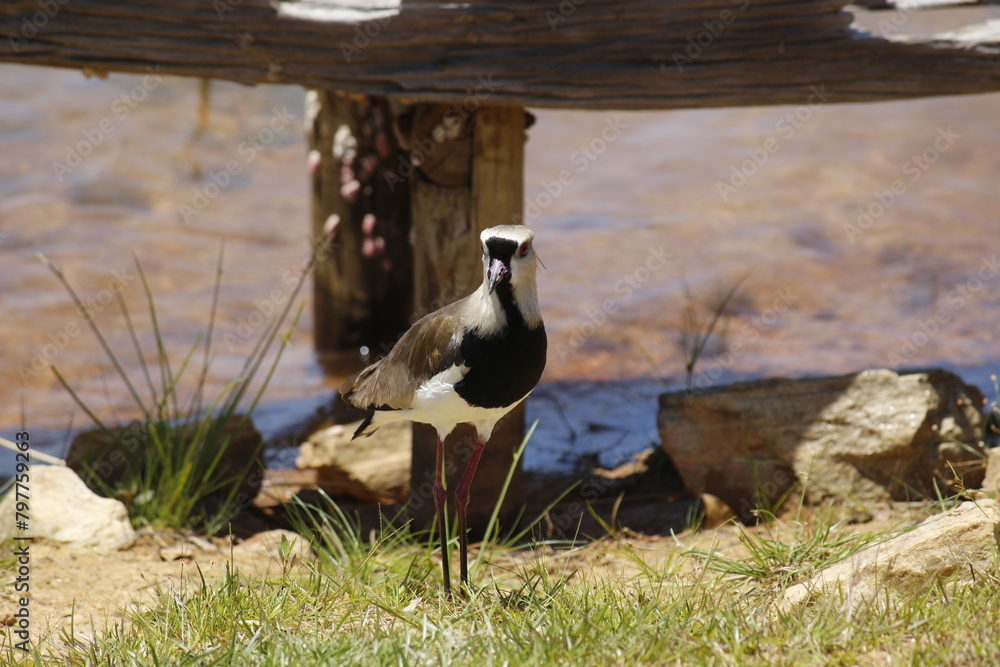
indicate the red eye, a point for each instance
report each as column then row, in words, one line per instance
column 525, row 247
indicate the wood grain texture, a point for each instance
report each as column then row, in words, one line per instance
column 498, row 168
column 362, row 290
column 916, row 5
column 446, row 258
column 597, row 54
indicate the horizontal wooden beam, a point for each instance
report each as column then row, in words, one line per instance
column 918, row 5
column 587, row 54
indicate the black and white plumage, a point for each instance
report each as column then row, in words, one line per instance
column 470, row 362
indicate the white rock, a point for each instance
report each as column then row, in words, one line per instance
column 62, row 508
column 959, row 546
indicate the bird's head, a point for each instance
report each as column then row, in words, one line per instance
column 509, row 263
column 509, row 257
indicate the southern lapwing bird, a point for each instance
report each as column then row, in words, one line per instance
column 470, row 362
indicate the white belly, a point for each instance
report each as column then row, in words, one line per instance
column 437, row 403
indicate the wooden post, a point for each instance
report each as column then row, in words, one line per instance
column 470, row 176
column 362, row 283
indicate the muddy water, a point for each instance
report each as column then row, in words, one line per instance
column 859, row 236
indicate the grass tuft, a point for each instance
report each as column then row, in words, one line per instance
column 696, row 332
column 779, row 555
column 169, row 468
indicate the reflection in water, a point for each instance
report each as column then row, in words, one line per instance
column 865, row 233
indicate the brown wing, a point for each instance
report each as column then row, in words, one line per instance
column 428, row 348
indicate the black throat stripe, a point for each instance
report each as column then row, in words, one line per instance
column 502, row 249
column 505, row 367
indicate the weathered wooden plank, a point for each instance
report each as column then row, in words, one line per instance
column 917, row 5
column 598, row 54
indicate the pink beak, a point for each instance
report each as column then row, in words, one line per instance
column 498, row 272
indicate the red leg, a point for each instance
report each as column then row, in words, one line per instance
column 440, row 498
column 462, row 500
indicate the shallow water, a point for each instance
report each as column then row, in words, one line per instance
column 772, row 197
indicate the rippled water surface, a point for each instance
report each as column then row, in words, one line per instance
column 864, row 236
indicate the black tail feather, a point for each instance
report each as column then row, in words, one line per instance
column 365, row 424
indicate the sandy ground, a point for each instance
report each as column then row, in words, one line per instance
column 77, row 592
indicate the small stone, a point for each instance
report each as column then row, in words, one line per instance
column 63, row 509
column 716, row 511
column 177, row 552
column 859, row 517
column 991, row 483
column 269, row 543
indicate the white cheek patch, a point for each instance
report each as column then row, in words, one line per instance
column 486, row 314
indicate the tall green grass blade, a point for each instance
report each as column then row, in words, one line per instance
column 196, row 396
column 97, row 332
column 137, row 346
column 256, row 358
column 179, row 468
column 162, row 356
column 701, row 335
column 285, row 341
column 76, row 399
